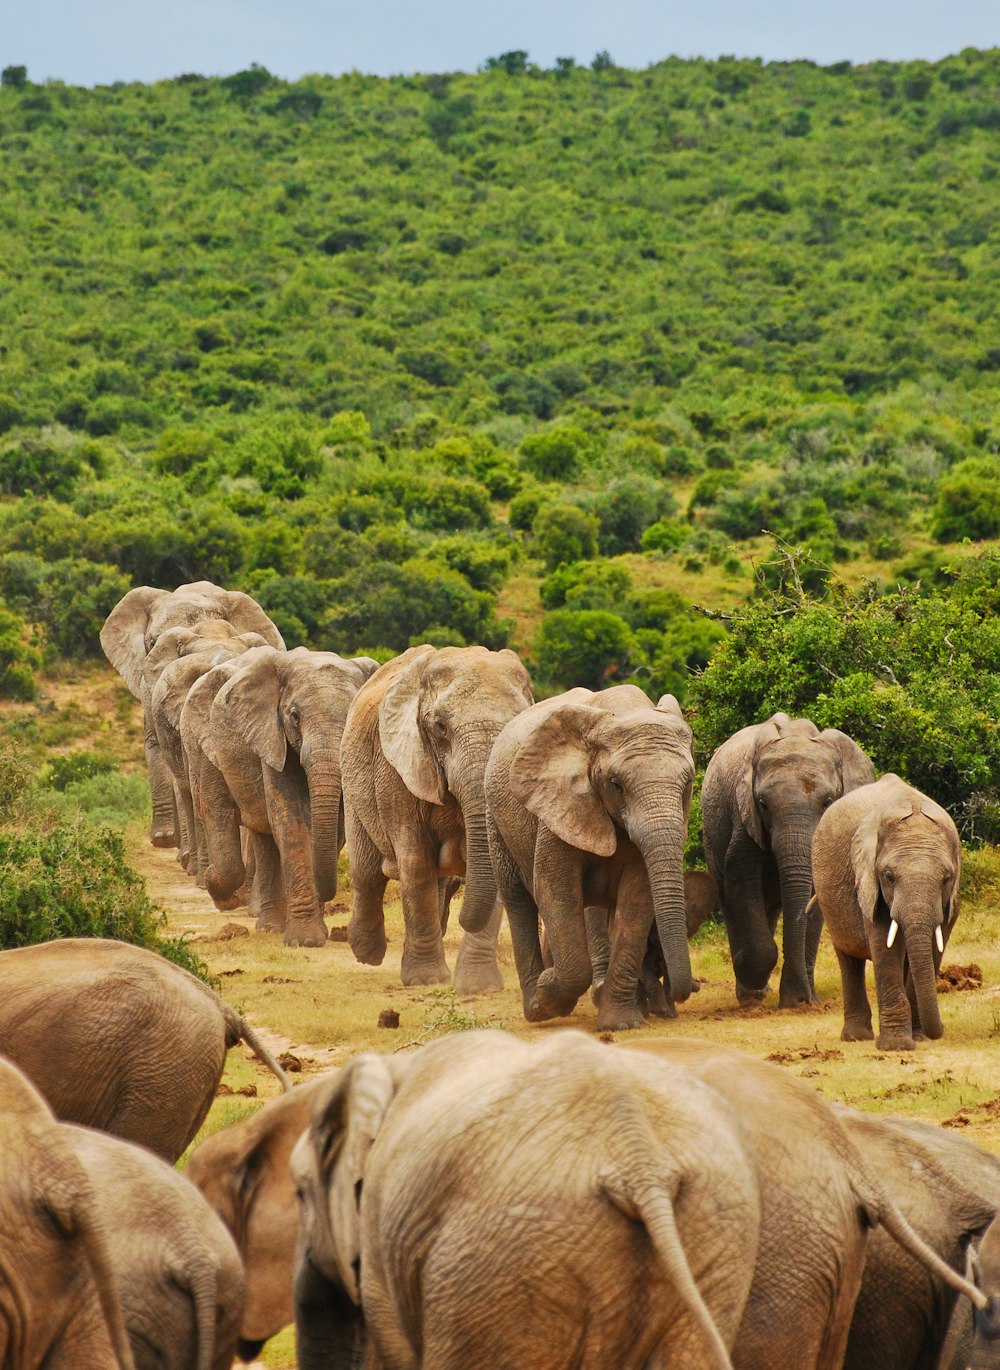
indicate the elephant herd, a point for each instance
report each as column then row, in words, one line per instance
column 570, row 813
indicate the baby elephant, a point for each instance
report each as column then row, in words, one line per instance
column 886, row 869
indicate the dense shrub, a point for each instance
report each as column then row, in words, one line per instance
column 589, row 647
column 564, row 533
column 968, row 501
column 18, row 658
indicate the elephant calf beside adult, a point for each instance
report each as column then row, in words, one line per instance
column 764, row 792
column 274, row 737
column 587, row 807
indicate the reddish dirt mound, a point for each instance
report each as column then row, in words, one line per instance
column 784, row 1058
column 964, row 1116
column 959, row 977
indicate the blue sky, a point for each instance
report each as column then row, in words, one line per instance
column 100, row 41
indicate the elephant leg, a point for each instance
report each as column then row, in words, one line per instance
column 748, row 927
column 595, row 924
column 423, row 960
column 814, row 931
column 225, row 872
column 476, row 970
column 162, row 829
column 366, row 930
column 268, row 891
column 448, row 887
column 559, row 896
column 617, row 1002
column 287, row 801
column 895, row 1022
column 185, row 830
column 857, row 1010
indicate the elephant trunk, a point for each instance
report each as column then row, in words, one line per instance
column 480, row 882
column 322, row 768
column 920, row 954
column 330, row 1331
column 794, row 859
column 662, row 848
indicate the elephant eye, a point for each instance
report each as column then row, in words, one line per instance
column 440, row 724
column 890, row 877
column 293, row 714
column 616, row 784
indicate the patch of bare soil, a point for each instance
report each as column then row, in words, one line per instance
column 959, row 978
column 975, row 1112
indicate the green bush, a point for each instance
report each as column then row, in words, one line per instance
column 968, row 501
column 18, row 659
column 35, row 466
column 77, row 766
column 589, row 647
column 564, row 533
column 552, row 455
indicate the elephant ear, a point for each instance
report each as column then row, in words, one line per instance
column 944, row 820
column 123, row 636
column 864, row 850
column 768, row 731
column 402, row 741
column 251, row 701
column 344, row 1124
column 550, row 775
column 246, row 616
column 367, row 666
column 855, row 765
column 668, row 704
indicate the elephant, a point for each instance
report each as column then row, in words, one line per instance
column 949, row 1190
column 887, row 862
column 820, row 1202
column 178, row 1272
column 414, row 754
column 587, row 799
column 132, row 630
column 170, row 686
column 59, row 1302
column 243, row 1173
column 974, row 1344
column 764, row 791
column 116, row 1037
column 487, row 1201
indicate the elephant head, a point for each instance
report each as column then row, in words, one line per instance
column 906, row 860
column 985, row 1268
column 437, row 724
column 616, row 765
column 291, row 707
column 137, row 621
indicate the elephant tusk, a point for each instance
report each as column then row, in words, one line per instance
column 939, row 937
column 893, row 929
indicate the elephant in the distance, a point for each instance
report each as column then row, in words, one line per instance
column 243, row 1173
column 887, row 862
column 587, row 806
column 179, row 1276
column 486, row 1201
column 132, row 630
column 116, row 1037
column 275, row 730
column 764, row 792
column 59, row 1300
column 414, row 755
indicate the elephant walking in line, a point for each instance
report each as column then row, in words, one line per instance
column 178, row 1272
column 132, row 630
column 587, row 805
column 489, row 1202
column 414, row 755
column 59, row 1301
column 764, row 791
column 275, row 732
column 116, row 1037
column 887, row 862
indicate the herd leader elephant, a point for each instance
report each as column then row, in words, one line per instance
column 481, row 1200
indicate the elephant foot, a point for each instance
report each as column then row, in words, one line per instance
column 268, row 925
column 367, row 944
column 619, row 1018
column 750, row 996
column 795, row 999
column 890, row 1041
column 478, row 980
column 308, row 933
column 856, row 1032
column 534, row 1012
column 425, row 975
column 162, row 837
column 226, row 905
column 554, row 999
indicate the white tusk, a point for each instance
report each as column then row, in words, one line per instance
column 939, row 937
column 893, row 929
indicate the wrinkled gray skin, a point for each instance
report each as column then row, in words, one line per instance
column 587, row 803
column 178, row 1272
column 764, row 791
column 140, row 1044
column 886, row 852
column 414, row 754
column 276, row 727
column 132, row 630
column 976, row 1338
column 567, row 1204
column 821, row 1198
column 59, row 1303
column 949, row 1189
column 243, row 1172
column 166, row 700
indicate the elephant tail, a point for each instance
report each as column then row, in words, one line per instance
column 897, row 1226
column 647, row 1199
column 197, row 1278
column 239, row 1030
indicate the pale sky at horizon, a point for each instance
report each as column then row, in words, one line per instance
column 138, row 40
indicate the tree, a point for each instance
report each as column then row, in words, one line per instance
column 514, row 63
column 562, row 532
column 14, row 78
column 589, row 647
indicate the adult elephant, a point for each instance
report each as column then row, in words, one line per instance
column 431, row 1183
column 414, row 754
column 887, row 862
column 275, row 730
column 243, row 1173
column 587, row 804
column 170, row 686
column 133, row 628
column 177, row 1269
column 764, row 792
column 820, row 1200
column 59, row 1302
column 140, row 1044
